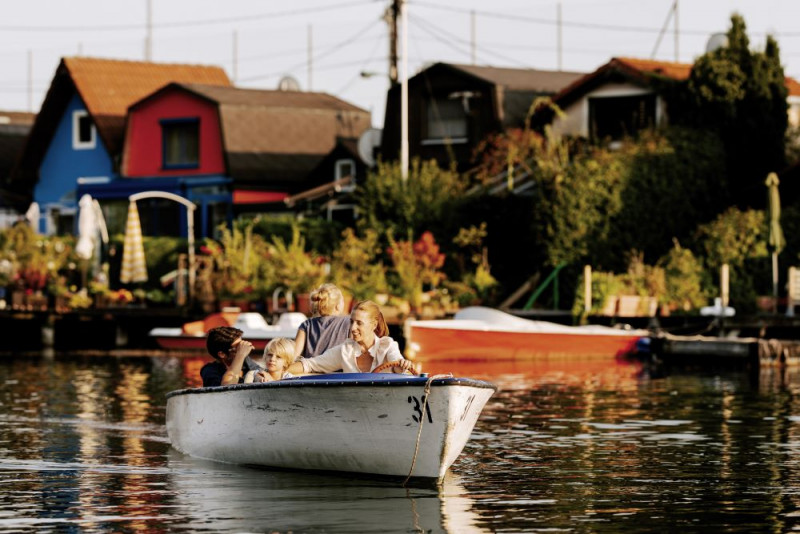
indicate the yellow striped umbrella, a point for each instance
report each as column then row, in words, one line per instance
column 134, row 268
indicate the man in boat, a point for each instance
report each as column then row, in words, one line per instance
column 229, row 350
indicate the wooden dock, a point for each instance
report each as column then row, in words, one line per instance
column 743, row 350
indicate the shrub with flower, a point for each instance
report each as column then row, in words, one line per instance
column 121, row 296
column 416, row 264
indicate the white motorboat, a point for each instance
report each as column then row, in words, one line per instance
column 362, row 423
column 256, row 329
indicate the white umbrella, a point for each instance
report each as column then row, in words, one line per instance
column 87, row 228
column 32, row 216
column 134, row 268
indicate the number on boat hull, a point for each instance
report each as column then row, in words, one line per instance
column 417, row 408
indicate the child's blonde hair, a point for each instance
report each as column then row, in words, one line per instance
column 326, row 299
column 282, row 347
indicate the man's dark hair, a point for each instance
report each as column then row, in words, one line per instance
column 220, row 339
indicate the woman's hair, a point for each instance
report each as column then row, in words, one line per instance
column 283, row 348
column 375, row 314
column 325, row 300
column 220, row 339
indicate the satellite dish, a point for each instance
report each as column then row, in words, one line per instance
column 716, row 41
column 288, row 83
column 367, row 143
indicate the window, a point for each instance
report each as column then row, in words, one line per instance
column 345, row 168
column 620, row 116
column 84, row 134
column 446, row 120
column 181, row 143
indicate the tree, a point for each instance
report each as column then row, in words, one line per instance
column 425, row 201
column 740, row 95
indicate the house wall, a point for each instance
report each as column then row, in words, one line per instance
column 440, row 82
column 143, row 151
column 63, row 165
column 576, row 121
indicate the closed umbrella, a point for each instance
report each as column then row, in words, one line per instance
column 775, row 241
column 32, row 216
column 87, row 228
column 134, row 268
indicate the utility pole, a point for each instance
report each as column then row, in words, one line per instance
column 235, row 55
column 404, row 92
column 392, row 14
column 473, row 47
column 30, row 80
column 677, row 33
column 558, row 34
column 310, row 57
column 148, row 42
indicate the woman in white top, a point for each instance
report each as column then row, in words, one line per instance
column 369, row 346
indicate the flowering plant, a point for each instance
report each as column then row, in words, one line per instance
column 121, row 296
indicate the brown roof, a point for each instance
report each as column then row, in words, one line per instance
column 792, row 86
column 17, row 117
column 669, row 69
column 550, row 81
column 109, row 86
column 638, row 70
column 280, row 135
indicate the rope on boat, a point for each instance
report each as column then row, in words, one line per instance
column 426, row 393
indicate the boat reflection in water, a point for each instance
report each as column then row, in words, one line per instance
column 233, row 498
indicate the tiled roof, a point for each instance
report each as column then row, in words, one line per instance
column 669, row 69
column 280, row 133
column 792, row 86
column 17, row 117
column 639, row 69
column 109, row 86
column 550, row 81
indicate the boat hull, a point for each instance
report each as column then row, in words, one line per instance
column 468, row 344
column 353, row 423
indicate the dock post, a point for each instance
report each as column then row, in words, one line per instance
column 587, row 288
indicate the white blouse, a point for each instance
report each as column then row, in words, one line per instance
column 344, row 357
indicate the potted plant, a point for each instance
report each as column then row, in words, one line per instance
column 295, row 269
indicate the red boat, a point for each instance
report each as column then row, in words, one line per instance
column 256, row 329
column 486, row 334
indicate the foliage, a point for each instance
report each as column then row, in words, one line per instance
column 416, row 264
column 480, row 280
column 426, row 201
column 741, row 95
column 34, row 260
column 320, row 235
column 738, row 238
column 674, row 180
column 686, row 283
column 239, row 268
column 355, row 267
column 294, row 268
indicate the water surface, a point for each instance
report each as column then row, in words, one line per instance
column 589, row 447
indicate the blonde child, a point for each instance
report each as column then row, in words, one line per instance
column 278, row 356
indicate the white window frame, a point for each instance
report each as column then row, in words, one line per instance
column 77, row 144
column 339, row 173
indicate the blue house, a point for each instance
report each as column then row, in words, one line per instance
column 77, row 138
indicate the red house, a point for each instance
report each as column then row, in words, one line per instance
column 242, row 150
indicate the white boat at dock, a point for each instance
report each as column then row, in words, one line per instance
column 192, row 335
column 362, row 423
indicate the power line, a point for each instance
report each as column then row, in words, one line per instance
column 362, row 32
column 185, row 24
column 574, row 24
